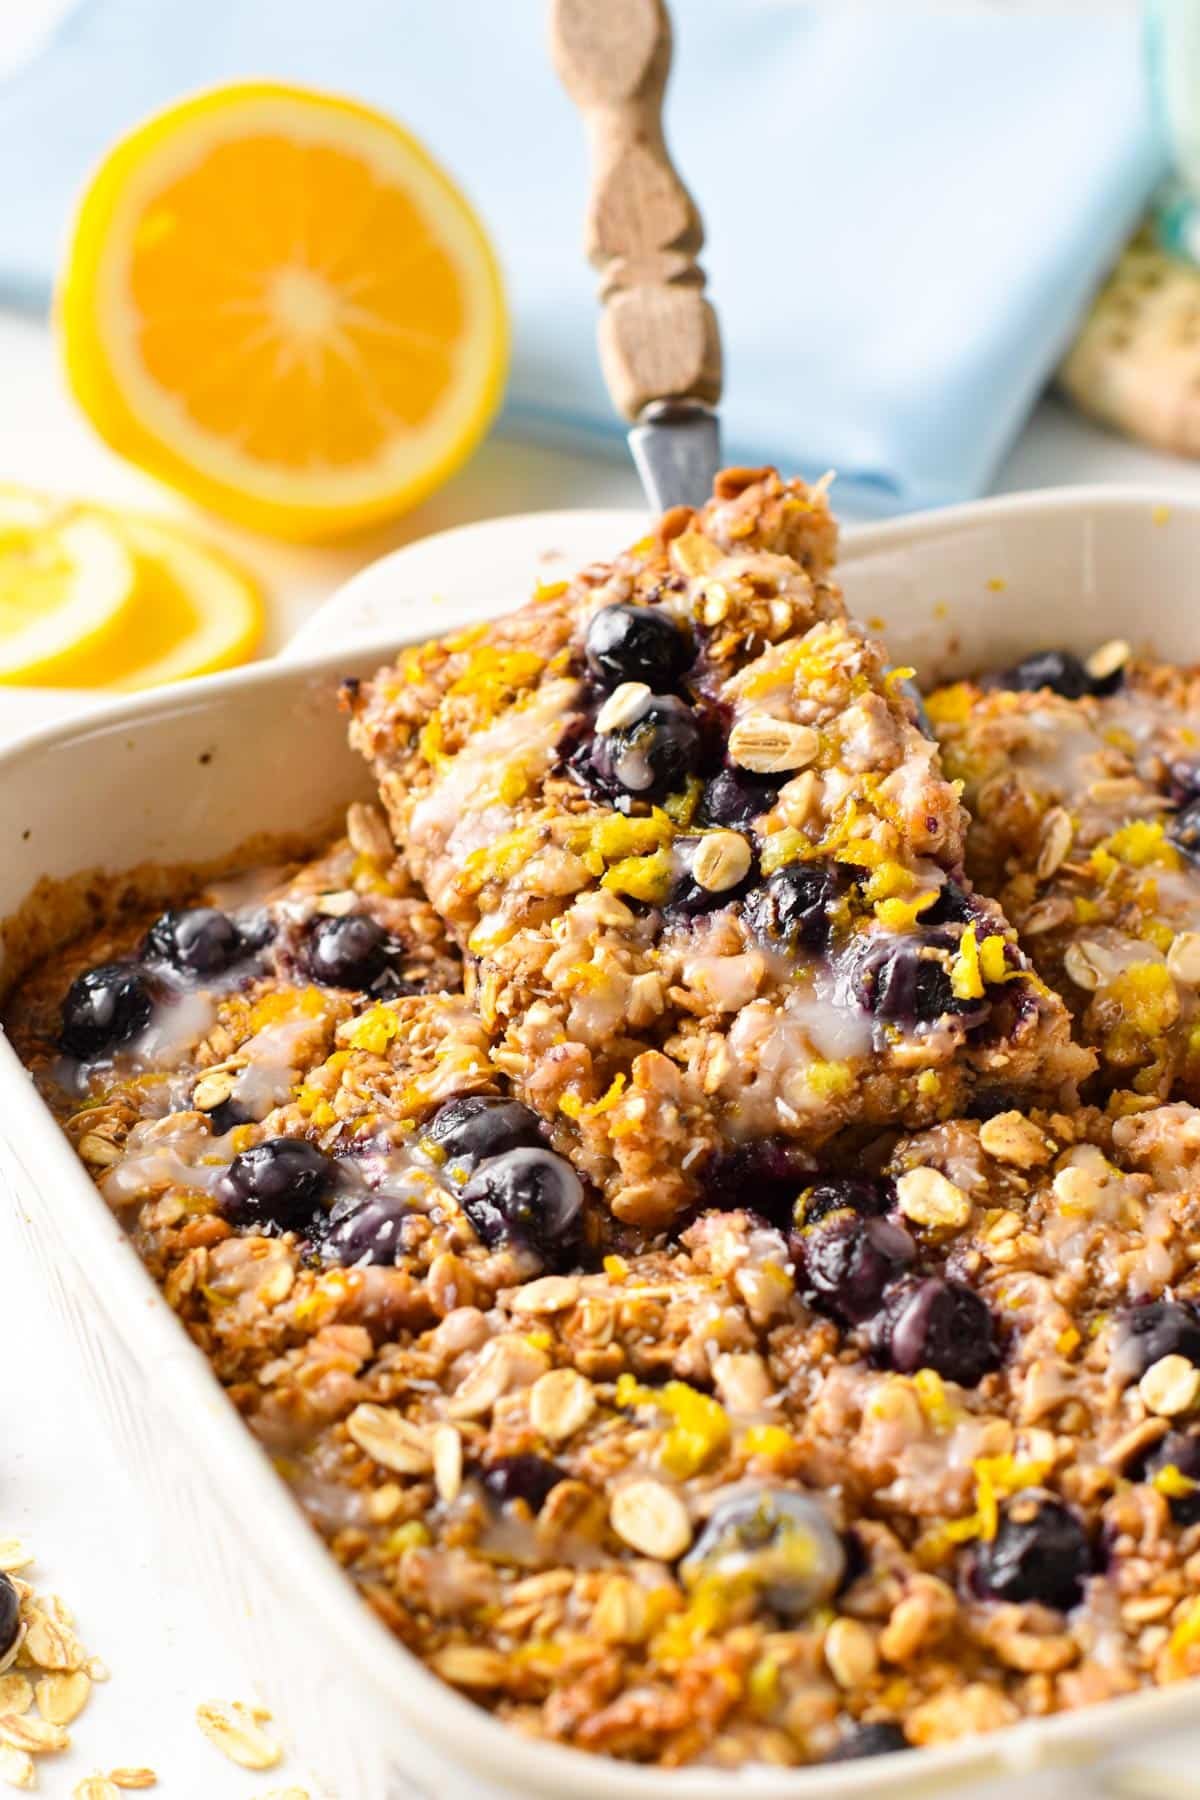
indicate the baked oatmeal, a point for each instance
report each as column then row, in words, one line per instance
column 1084, row 796
column 584, row 1214
column 914, row 1455
column 704, row 862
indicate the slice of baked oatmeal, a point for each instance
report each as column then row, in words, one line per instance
column 704, row 863
column 1084, row 796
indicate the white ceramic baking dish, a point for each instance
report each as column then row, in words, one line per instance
column 187, row 774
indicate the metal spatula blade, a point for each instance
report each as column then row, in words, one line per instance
column 676, row 447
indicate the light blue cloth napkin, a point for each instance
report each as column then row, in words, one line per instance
column 907, row 207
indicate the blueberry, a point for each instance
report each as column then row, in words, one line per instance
column 633, row 643
column 902, row 980
column 1147, row 1333
column 1040, row 1552
column 953, row 906
column 364, row 1228
column 10, row 1615
column 649, row 758
column 276, row 1185
column 835, row 1193
column 879, row 1739
column 935, row 1324
column 844, row 1264
column 523, row 1477
column 766, row 1174
column 476, row 1126
column 103, row 1008
column 528, row 1197
column 792, row 908
column 1180, row 1451
column 1183, row 781
column 224, row 1117
column 349, row 952
column 775, row 1540
column 1057, row 670
column 1183, row 829
column 735, row 798
column 198, row 940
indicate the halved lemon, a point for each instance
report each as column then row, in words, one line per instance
column 277, row 301
column 175, row 606
column 67, row 585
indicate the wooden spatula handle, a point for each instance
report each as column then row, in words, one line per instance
column 658, row 334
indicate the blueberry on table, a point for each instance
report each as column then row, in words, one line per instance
column 104, row 1007
column 635, row 643
column 1147, row 1333
column 776, row 1540
column 879, row 1739
column 350, row 952
column 1173, row 1464
column 853, row 1193
column 197, row 940
column 792, row 908
column 362, row 1229
column 650, row 757
column 1040, row 1552
column 1057, row 670
column 845, row 1263
column 735, row 798
column 476, row 1126
column 278, row 1185
column 530, row 1198
column 521, row 1477
column 10, row 1615
column 931, row 1323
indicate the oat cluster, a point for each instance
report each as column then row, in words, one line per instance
column 697, row 1192
column 46, row 1680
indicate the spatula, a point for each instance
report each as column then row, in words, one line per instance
column 660, row 347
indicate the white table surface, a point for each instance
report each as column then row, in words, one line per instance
column 61, row 1488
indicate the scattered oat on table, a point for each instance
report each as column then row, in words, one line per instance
column 237, row 1732
column 17, row 1768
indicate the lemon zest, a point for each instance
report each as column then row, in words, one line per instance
column 647, row 878
column 374, row 1030
column 966, row 980
column 700, row 1426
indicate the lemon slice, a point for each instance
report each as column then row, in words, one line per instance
column 184, row 610
column 194, row 613
column 277, row 300
column 67, row 585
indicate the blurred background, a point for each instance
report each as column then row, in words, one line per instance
column 910, row 212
